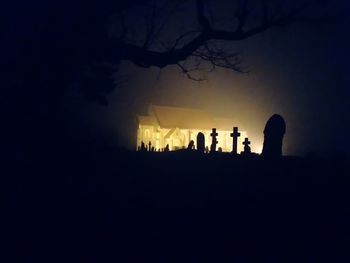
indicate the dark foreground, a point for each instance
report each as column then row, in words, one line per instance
column 176, row 207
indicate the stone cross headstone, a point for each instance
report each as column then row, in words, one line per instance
column 273, row 136
column 246, row 146
column 200, row 142
column 214, row 140
column 235, row 134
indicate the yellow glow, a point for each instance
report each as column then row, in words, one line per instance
column 176, row 127
column 178, row 138
column 256, row 147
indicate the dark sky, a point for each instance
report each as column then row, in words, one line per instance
column 300, row 72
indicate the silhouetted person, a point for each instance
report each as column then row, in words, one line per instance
column 273, row 136
column 166, row 149
column 190, row 146
column 200, row 142
column 143, row 147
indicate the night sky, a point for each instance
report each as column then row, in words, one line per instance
column 299, row 71
column 75, row 75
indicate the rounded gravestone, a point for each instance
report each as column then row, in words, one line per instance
column 190, row 145
column 273, row 136
column 200, row 142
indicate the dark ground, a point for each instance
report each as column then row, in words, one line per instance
column 119, row 206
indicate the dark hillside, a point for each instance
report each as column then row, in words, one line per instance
column 179, row 206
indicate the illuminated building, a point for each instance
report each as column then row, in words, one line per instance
column 178, row 126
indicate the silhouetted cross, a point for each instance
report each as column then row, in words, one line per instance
column 246, row 145
column 235, row 134
column 214, row 141
column 246, row 142
column 214, row 133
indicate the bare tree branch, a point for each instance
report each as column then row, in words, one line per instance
column 194, row 43
column 218, row 57
column 187, row 72
column 181, row 37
